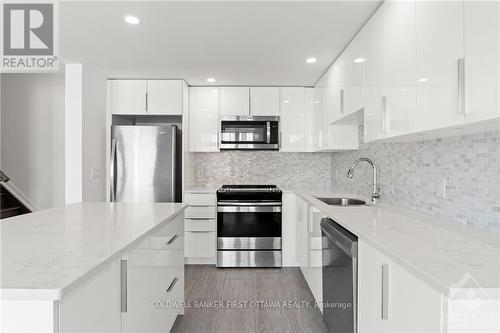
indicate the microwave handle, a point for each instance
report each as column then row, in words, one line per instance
column 268, row 136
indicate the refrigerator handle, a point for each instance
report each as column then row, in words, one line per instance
column 174, row 164
column 112, row 171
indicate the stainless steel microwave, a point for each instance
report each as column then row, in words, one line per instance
column 249, row 133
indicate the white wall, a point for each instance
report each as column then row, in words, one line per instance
column 85, row 134
column 32, row 135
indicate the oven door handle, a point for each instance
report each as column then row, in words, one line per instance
column 230, row 203
column 249, row 209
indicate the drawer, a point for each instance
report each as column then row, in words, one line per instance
column 207, row 212
column 199, row 225
column 200, row 199
column 200, row 244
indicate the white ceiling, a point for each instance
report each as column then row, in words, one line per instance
column 238, row 43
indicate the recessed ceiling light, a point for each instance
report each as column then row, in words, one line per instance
column 286, row 101
column 131, row 19
column 359, row 60
column 311, row 60
column 210, row 80
column 424, row 79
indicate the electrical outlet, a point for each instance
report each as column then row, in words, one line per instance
column 94, row 173
column 441, row 192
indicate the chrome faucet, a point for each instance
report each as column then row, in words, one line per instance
column 376, row 190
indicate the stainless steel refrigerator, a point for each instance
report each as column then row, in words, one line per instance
column 146, row 164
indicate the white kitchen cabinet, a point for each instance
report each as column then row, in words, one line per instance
column 203, row 119
column 94, row 306
column 482, row 60
column 147, row 97
column 302, row 239
column 128, row 96
column 353, row 87
column 315, row 254
column 292, row 120
column 154, row 276
column 410, row 304
column 390, row 107
column 164, row 97
column 234, row 101
column 440, row 45
column 265, row 101
column 288, row 230
column 313, row 120
column 200, row 227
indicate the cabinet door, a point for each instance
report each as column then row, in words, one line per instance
column 128, row 96
column 265, row 101
column 200, row 244
column 292, row 125
column 94, row 305
column 203, row 119
column 289, row 243
column 375, row 40
column 165, row 97
column 302, row 241
column 315, row 255
column 234, row 101
column 312, row 119
column 370, row 263
column 439, row 48
column 482, row 60
column 400, row 67
column 352, row 90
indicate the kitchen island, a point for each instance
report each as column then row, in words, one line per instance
column 93, row 267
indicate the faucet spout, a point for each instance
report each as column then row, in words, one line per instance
column 375, row 191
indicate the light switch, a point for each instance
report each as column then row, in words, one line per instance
column 94, row 173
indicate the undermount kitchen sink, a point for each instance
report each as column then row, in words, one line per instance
column 342, row 201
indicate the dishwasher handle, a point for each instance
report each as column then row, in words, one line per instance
column 344, row 239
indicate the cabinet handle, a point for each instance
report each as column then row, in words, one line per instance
column 172, row 284
column 172, row 239
column 123, row 286
column 461, row 85
column 385, row 115
column 341, row 101
column 385, row 292
column 146, row 102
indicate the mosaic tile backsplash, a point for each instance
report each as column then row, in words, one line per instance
column 415, row 175
column 261, row 167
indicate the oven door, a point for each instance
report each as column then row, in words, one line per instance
column 249, row 227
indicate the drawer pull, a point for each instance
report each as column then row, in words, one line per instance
column 123, row 286
column 172, row 284
column 172, row 239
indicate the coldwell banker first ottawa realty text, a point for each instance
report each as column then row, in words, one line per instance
column 29, row 36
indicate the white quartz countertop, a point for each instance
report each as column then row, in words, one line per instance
column 439, row 252
column 43, row 253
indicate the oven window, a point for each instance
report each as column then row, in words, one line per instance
column 244, row 132
column 240, row 224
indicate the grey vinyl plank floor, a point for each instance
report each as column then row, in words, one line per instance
column 247, row 300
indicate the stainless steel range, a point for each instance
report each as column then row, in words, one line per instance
column 249, row 226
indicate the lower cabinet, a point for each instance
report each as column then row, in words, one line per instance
column 153, row 281
column 302, row 239
column 143, row 291
column 315, row 255
column 391, row 299
column 200, row 227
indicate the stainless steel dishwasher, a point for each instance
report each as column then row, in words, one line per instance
column 340, row 277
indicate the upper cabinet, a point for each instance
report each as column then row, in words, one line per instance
column 440, row 52
column 234, row 101
column 390, row 71
column 203, row 119
column 482, row 60
column 128, row 96
column 165, row 97
column 147, row 97
column 265, row 101
column 292, row 120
